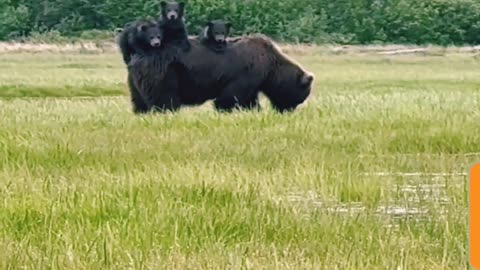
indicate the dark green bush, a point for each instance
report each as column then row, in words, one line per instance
column 342, row 21
column 14, row 19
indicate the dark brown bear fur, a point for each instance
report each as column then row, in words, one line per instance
column 252, row 64
column 153, row 81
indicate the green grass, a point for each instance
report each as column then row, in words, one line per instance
column 85, row 184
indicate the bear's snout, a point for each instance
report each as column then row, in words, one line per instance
column 219, row 38
column 172, row 15
column 156, row 42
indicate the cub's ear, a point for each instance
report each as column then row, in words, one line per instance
column 142, row 27
column 181, row 5
column 163, row 4
column 209, row 24
column 228, row 25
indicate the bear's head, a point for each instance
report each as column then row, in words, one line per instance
column 150, row 33
column 217, row 30
column 172, row 10
column 291, row 88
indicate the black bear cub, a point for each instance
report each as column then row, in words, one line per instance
column 215, row 35
column 139, row 37
column 172, row 23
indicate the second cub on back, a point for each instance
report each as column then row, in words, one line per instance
column 215, row 35
column 173, row 25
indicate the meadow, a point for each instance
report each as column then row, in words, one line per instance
column 370, row 173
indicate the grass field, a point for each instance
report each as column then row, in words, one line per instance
column 369, row 174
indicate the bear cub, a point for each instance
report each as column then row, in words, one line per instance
column 215, row 35
column 173, row 25
column 139, row 37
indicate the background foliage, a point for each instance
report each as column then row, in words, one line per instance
column 342, row 21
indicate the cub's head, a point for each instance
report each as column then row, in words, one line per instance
column 150, row 33
column 217, row 30
column 172, row 10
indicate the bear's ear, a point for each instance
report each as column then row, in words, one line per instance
column 306, row 79
column 163, row 4
column 181, row 5
column 209, row 24
column 228, row 25
column 142, row 27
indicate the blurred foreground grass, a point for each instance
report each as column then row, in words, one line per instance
column 369, row 174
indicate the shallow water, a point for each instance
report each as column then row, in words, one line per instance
column 422, row 193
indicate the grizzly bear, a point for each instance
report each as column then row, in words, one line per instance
column 172, row 23
column 139, row 38
column 234, row 79
column 215, row 35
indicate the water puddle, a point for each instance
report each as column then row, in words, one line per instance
column 414, row 199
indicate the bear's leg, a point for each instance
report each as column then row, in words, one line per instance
column 164, row 97
column 225, row 104
column 235, row 95
column 251, row 103
column 139, row 105
column 166, row 102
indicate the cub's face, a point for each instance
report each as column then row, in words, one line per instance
column 172, row 10
column 218, row 30
column 151, row 34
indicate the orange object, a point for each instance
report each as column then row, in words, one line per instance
column 475, row 216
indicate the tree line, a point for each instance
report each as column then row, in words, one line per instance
column 442, row 22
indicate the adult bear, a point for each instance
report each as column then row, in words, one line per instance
column 249, row 65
